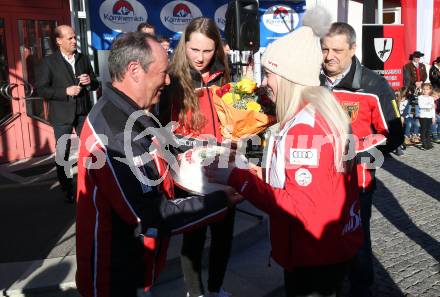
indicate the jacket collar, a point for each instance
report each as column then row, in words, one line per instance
column 413, row 66
column 352, row 80
column 215, row 73
column 126, row 105
column 60, row 55
column 64, row 65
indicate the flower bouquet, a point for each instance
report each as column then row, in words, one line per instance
column 242, row 109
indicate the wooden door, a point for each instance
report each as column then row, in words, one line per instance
column 26, row 35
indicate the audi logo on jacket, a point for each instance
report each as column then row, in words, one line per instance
column 313, row 208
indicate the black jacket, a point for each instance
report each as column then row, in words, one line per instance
column 54, row 75
column 434, row 76
column 123, row 220
column 362, row 79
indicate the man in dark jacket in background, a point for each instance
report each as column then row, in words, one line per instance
column 414, row 72
column 65, row 79
column 369, row 101
column 434, row 73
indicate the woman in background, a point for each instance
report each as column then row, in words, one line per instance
column 199, row 62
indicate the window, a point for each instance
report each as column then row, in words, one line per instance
column 392, row 15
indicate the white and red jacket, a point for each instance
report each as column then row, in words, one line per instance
column 123, row 221
column 313, row 208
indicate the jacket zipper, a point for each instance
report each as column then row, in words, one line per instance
column 212, row 112
column 205, row 85
column 290, row 244
column 156, row 257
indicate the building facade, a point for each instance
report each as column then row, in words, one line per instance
column 26, row 35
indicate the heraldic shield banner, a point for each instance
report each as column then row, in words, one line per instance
column 382, row 51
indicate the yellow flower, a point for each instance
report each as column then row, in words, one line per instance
column 252, row 105
column 230, row 98
column 247, row 85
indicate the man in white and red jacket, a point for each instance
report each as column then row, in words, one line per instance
column 369, row 101
column 126, row 206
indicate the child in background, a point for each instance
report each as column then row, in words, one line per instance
column 427, row 115
column 436, row 125
column 402, row 102
column 412, row 124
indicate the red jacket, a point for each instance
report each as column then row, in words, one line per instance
column 369, row 101
column 313, row 209
column 208, row 110
column 123, row 221
column 169, row 110
column 368, row 124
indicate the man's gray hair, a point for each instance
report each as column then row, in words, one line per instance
column 126, row 48
column 340, row 28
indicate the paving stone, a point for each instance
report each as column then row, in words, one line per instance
column 405, row 228
column 405, row 225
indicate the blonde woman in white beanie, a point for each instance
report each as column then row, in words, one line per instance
column 308, row 189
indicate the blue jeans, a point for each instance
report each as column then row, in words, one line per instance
column 436, row 128
column 411, row 125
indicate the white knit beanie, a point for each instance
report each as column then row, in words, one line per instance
column 297, row 56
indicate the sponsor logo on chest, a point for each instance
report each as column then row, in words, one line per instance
column 303, row 177
column 303, row 157
column 351, row 108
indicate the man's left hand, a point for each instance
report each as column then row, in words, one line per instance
column 233, row 197
column 219, row 174
column 84, row 79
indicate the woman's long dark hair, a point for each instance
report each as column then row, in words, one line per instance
column 183, row 89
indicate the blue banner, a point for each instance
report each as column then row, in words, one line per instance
column 171, row 17
column 168, row 17
column 277, row 18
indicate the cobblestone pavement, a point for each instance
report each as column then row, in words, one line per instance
column 405, row 229
column 405, row 225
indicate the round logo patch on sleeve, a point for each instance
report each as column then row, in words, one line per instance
column 303, row 177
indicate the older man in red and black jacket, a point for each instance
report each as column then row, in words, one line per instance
column 369, row 101
column 126, row 204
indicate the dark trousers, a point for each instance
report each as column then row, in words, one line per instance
column 63, row 151
column 361, row 273
column 425, row 134
column 315, row 281
column 220, row 250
